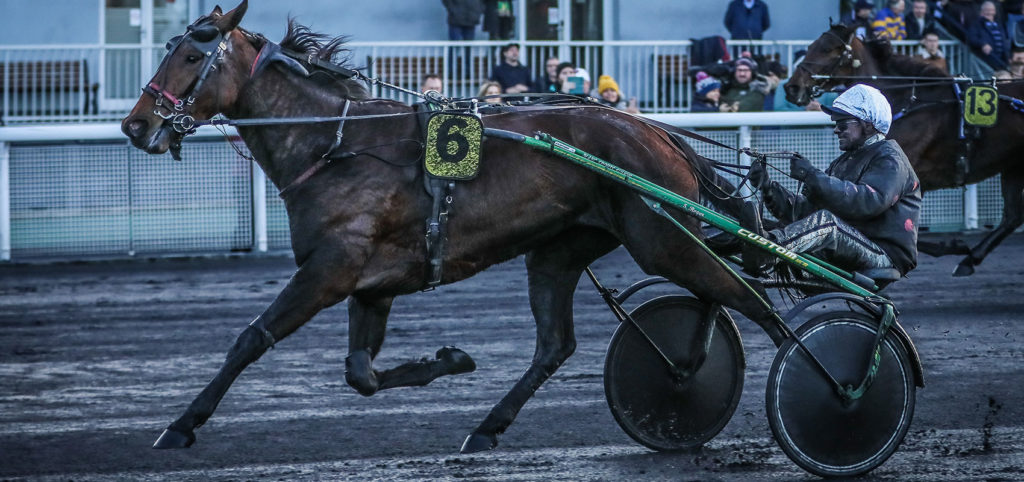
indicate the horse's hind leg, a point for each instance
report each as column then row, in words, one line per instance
column 305, row 295
column 367, row 321
column 553, row 271
column 1013, row 217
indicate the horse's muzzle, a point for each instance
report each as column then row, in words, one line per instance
column 797, row 95
column 145, row 136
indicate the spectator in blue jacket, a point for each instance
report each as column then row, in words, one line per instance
column 987, row 37
column 747, row 19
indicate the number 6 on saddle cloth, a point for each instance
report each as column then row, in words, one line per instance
column 453, row 146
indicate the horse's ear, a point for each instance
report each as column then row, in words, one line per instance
column 830, row 22
column 228, row 21
column 217, row 11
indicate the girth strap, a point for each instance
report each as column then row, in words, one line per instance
column 437, row 227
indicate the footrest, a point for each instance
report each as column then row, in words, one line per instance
column 881, row 276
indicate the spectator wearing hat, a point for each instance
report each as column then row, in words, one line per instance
column 564, row 71
column 708, row 93
column 889, row 23
column 987, row 38
column 610, row 95
column 863, row 16
column 919, row 21
column 747, row 90
column 747, row 19
column 513, row 76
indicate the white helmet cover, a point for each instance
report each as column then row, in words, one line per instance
column 865, row 103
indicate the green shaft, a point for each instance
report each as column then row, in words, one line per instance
column 725, row 223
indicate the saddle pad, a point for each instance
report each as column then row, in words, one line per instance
column 453, row 146
column 981, row 106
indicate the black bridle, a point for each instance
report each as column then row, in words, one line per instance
column 210, row 41
column 846, row 58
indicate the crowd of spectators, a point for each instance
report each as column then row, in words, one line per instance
column 993, row 29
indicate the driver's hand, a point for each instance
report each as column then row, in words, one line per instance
column 800, row 167
column 758, row 174
column 775, row 199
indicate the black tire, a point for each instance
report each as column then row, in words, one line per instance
column 810, row 422
column 644, row 398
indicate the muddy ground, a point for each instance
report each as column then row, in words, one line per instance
column 97, row 358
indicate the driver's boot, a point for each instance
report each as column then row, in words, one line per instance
column 755, row 259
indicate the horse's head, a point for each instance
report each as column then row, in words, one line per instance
column 199, row 77
column 832, row 54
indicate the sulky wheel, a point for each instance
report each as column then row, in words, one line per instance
column 815, row 427
column 656, row 408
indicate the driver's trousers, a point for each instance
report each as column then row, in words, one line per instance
column 826, row 237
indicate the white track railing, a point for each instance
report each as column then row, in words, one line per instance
column 64, row 186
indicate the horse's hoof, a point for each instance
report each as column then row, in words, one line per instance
column 965, row 268
column 173, row 439
column 478, row 442
column 456, row 360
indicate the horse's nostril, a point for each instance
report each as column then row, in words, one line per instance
column 137, row 127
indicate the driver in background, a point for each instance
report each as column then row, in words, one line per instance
column 863, row 211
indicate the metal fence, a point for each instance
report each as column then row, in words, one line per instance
column 80, row 191
column 93, row 83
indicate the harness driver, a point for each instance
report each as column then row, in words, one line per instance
column 861, row 214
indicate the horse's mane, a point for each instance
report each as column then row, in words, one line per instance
column 300, row 38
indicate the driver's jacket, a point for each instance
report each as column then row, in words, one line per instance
column 875, row 190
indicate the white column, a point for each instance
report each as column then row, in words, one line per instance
column 971, row 206
column 520, row 13
column 259, row 208
column 5, row 202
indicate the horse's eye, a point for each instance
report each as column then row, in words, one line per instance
column 193, row 58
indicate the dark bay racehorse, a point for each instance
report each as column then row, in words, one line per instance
column 357, row 224
column 929, row 127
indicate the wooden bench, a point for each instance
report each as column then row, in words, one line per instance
column 21, row 79
column 672, row 65
column 672, row 73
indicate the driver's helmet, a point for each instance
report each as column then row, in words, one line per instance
column 865, row 103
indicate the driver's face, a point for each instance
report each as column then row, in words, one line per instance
column 851, row 133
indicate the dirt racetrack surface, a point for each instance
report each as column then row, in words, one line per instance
column 97, row 358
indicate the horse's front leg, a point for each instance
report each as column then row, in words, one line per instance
column 367, row 317
column 1013, row 217
column 554, row 271
column 308, row 292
